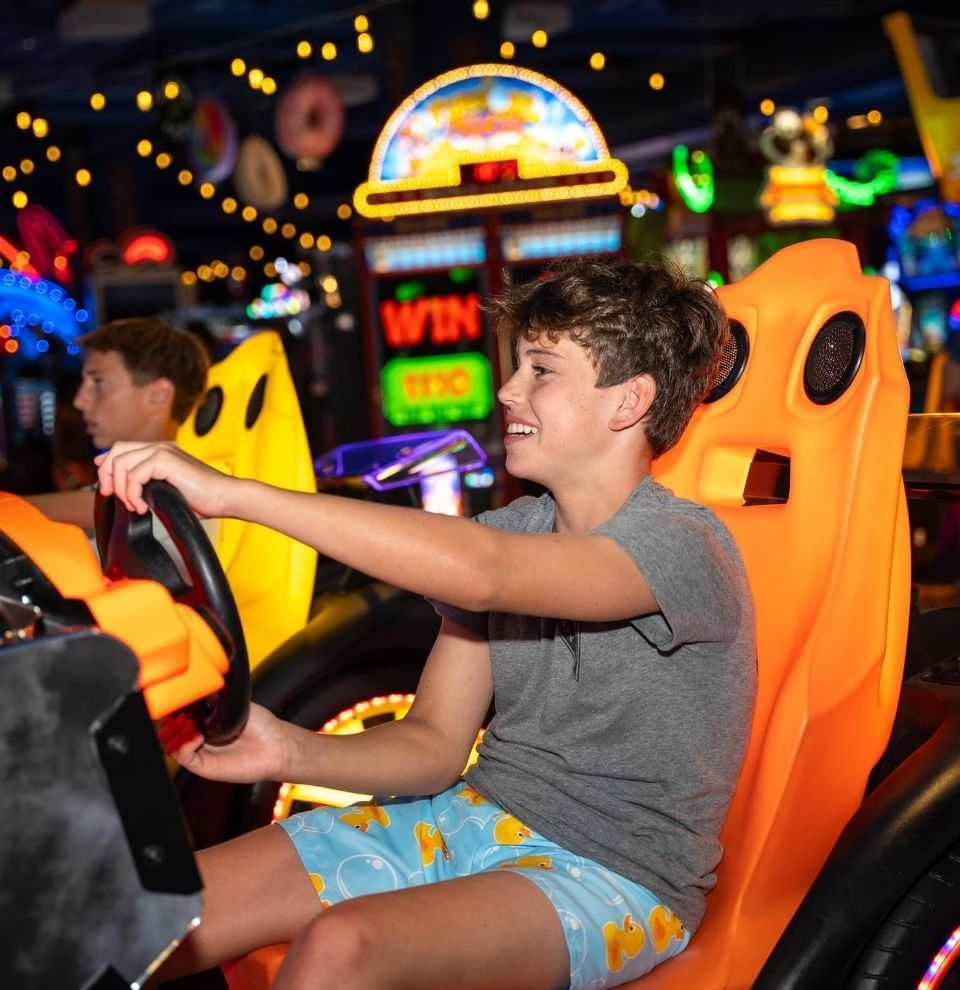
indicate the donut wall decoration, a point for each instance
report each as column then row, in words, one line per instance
column 259, row 176
column 212, row 144
column 309, row 119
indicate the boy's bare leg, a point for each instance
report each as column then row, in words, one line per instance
column 489, row 930
column 256, row 892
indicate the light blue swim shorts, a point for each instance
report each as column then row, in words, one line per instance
column 615, row 929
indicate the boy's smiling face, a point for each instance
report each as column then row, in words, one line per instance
column 557, row 419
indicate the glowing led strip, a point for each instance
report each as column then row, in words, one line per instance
column 465, row 201
column 942, row 963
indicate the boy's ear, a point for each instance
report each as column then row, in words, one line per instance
column 161, row 392
column 638, row 394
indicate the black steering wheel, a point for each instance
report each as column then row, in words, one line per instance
column 128, row 548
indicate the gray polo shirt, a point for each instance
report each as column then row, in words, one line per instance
column 622, row 741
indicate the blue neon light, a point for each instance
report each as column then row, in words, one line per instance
column 33, row 307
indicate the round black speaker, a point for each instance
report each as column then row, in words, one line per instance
column 255, row 402
column 733, row 359
column 834, row 358
column 208, row 411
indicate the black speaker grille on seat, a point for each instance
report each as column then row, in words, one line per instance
column 834, row 358
column 208, row 411
column 733, row 359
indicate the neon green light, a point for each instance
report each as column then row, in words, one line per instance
column 695, row 184
column 446, row 388
column 406, row 291
column 877, row 172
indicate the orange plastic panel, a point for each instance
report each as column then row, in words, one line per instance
column 271, row 575
column 61, row 551
column 181, row 659
column 257, row 970
column 830, row 575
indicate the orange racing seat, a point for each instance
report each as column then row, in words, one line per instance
column 799, row 452
column 249, row 425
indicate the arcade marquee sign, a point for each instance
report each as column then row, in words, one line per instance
column 487, row 136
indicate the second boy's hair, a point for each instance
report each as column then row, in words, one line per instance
column 152, row 349
column 632, row 318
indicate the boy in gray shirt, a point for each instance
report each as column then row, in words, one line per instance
column 609, row 622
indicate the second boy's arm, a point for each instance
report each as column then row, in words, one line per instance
column 74, row 507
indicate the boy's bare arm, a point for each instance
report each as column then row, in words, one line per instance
column 74, row 507
column 420, row 754
column 455, row 560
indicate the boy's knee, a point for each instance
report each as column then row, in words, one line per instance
column 336, row 949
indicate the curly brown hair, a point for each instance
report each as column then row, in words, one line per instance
column 150, row 349
column 632, row 318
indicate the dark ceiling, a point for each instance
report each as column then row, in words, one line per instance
column 731, row 53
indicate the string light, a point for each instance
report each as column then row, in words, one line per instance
column 144, row 148
column 324, row 243
column 184, row 177
column 256, row 253
column 268, row 86
column 24, row 120
column 97, row 101
column 360, row 23
column 301, row 201
column 288, row 230
column 255, row 78
column 83, row 177
column 344, row 212
column 365, row 43
column 145, row 100
column 207, row 190
column 188, row 278
column 238, row 67
column 657, row 81
column 40, row 127
column 481, row 9
column 19, row 199
column 53, row 153
column 238, row 273
column 597, row 61
column 307, row 240
column 171, row 89
column 821, row 114
column 507, row 49
column 9, row 173
column 874, row 117
column 304, row 49
column 539, row 38
column 163, row 160
column 328, row 51
column 269, row 225
column 26, row 166
column 767, row 107
column 229, row 205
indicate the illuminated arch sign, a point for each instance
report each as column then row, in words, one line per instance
column 487, row 135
